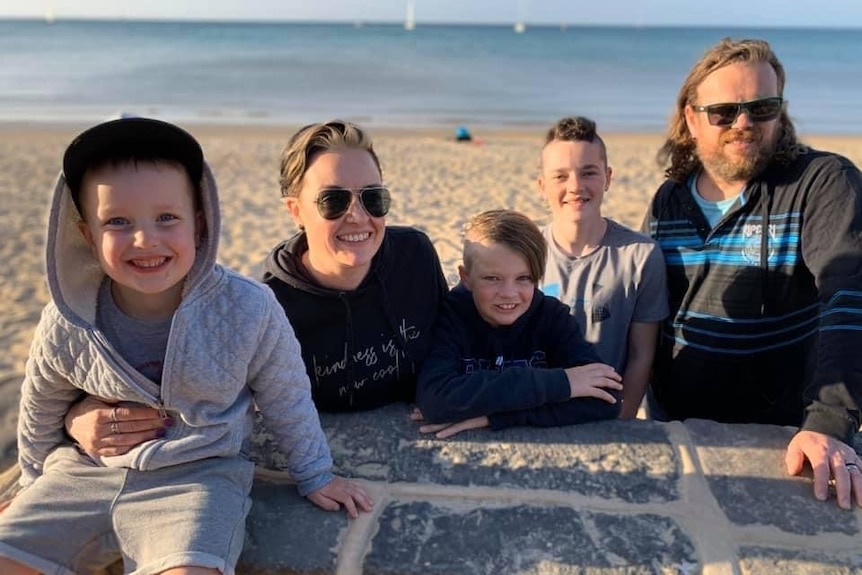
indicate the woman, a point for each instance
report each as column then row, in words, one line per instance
column 360, row 295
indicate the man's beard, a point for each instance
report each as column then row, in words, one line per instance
column 739, row 169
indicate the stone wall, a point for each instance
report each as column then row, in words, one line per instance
column 608, row 498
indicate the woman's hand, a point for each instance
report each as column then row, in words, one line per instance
column 106, row 429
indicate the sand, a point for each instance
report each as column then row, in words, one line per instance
column 436, row 184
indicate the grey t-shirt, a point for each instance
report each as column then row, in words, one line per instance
column 141, row 343
column 622, row 281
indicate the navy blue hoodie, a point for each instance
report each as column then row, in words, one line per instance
column 766, row 307
column 512, row 374
column 362, row 348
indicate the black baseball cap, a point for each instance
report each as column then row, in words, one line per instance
column 130, row 138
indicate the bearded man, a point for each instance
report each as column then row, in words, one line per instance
column 762, row 238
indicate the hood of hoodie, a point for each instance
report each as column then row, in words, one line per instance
column 74, row 273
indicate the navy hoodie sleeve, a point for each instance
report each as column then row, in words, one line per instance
column 445, row 394
column 566, row 347
column 832, row 244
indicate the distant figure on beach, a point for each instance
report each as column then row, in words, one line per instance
column 361, row 296
column 141, row 313
column 505, row 354
column 762, row 238
column 613, row 278
column 462, row 134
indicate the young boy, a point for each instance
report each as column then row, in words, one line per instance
column 140, row 312
column 613, row 278
column 505, row 354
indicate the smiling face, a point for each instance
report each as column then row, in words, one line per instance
column 340, row 250
column 574, row 179
column 499, row 279
column 141, row 223
column 732, row 155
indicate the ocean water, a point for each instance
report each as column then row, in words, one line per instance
column 383, row 75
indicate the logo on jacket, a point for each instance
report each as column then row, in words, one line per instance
column 499, row 363
column 751, row 242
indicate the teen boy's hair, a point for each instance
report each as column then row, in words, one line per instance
column 576, row 129
column 513, row 230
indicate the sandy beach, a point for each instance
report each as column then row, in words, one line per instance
column 436, row 185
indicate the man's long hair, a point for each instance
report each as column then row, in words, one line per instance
column 679, row 147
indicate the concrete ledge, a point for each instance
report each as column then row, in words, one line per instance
column 606, row 498
column 611, row 497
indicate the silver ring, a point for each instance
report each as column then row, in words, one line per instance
column 115, row 428
column 114, row 415
column 852, row 467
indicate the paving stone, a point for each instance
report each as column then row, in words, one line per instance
column 628, row 460
column 744, row 467
column 771, row 503
column 759, row 560
column 422, row 538
column 286, row 533
column 606, row 498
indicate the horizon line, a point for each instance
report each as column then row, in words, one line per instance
column 434, row 23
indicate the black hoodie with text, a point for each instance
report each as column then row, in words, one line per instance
column 362, row 348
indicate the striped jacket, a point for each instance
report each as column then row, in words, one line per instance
column 766, row 308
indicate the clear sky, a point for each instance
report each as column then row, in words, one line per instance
column 758, row 13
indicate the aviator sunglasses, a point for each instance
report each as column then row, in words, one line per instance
column 334, row 202
column 762, row 110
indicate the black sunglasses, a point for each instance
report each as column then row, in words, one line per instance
column 334, row 202
column 762, row 110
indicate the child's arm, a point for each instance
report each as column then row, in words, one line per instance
column 595, row 386
column 572, row 412
column 595, row 392
column 445, row 394
column 642, row 342
column 282, row 391
column 45, row 399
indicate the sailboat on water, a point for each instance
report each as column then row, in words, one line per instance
column 520, row 25
column 49, row 12
column 410, row 20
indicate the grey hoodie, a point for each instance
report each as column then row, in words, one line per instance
column 230, row 346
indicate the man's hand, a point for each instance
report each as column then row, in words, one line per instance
column 340, row 492
column 833, row 462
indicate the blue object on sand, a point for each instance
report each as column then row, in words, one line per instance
column 462, row 134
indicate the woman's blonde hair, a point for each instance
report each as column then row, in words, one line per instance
column 315, row 139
